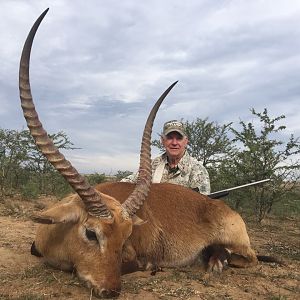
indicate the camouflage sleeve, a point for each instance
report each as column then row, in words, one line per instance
column 130, row 178
column 199, row 178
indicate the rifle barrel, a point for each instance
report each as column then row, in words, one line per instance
column 223, row 192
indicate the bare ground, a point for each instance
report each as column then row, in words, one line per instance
column 23, row 276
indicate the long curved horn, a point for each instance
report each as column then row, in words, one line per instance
column 139, row 194
column 88, row 194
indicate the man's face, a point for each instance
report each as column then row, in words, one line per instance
column 174, row 144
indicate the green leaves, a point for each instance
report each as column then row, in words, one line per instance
column 24, row 170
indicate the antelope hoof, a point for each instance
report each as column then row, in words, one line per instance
column 216, row 265
column 216, row 258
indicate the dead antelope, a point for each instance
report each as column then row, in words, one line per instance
column 96, row 230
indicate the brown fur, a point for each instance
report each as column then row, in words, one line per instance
column 180, row 223
column 176, row 225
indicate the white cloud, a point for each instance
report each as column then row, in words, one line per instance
column 98, row 66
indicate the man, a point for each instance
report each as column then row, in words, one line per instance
column 175, row 165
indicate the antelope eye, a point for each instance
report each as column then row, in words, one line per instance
column 91, row 235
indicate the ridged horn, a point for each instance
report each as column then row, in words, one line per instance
column 139, row 194
column 87, row 193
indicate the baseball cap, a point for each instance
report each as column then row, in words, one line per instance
column 174, row 125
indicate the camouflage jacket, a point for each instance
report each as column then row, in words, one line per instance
column 189, row 172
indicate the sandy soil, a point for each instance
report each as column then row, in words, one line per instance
column 23, row 276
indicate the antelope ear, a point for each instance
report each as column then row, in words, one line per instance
column 136, row 221
column 61, row 213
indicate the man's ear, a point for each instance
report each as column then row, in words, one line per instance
column 61, row 213
column 186, row 140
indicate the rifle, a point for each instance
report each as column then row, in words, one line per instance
column 224, row 193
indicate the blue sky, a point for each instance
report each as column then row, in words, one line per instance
column 98, row 66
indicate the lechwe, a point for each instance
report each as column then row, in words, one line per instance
column 96, row 230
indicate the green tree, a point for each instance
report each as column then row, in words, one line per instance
column 95, row 178
column 37, row 164
column 209, row 142
column 122, row 174
column 262, row 154
column 24, row 170
column 12, row 156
